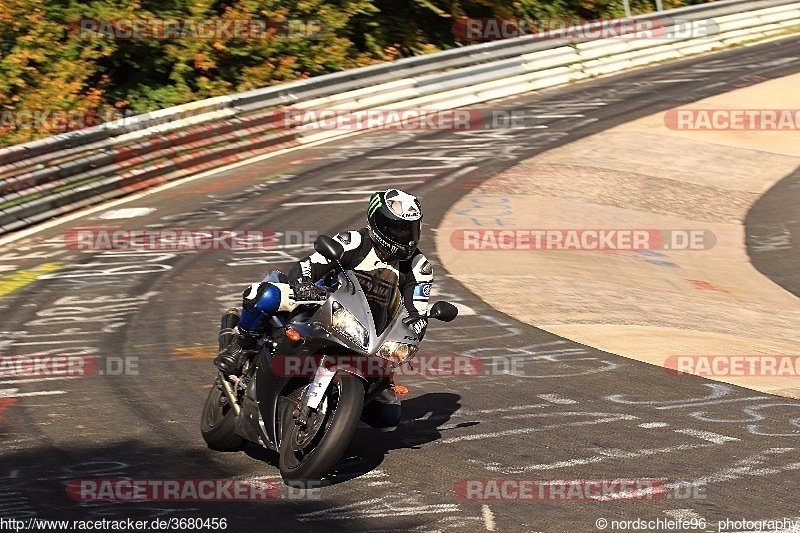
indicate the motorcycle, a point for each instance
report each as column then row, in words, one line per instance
column 309, row 418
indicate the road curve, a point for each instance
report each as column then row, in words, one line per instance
column 678, row 299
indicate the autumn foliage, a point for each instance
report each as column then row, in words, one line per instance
column 48, row 64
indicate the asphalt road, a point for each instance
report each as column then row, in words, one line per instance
column 773, row 227
column 545, row 408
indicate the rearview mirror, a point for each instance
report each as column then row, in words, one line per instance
column 444, row 311
column 330, row 249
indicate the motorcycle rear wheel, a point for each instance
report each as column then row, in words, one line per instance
column 307, row 454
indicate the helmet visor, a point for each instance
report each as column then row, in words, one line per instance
column 402, row 232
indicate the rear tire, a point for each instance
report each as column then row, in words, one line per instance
column 308, row 457
column 218, row 422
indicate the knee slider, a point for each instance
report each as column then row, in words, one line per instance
column 258, row 301
column 252, row 294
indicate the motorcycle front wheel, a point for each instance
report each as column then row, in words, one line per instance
column 308, row 453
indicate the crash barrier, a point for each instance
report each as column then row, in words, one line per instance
column 49, row 177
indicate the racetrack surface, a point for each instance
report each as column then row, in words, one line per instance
column 568, row 412
column 673, row 306
column 773, row 227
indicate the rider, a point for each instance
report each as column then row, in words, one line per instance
column 383, row 256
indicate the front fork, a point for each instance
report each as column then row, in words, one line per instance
column 315, row 392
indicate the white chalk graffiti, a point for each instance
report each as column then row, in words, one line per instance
column 116, row 263
column 778, row 239
column 724, row 394
column 545, row 360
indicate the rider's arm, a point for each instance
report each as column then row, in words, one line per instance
column 416, row 287
column 314, row 267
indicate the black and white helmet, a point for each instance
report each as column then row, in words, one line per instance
column 395, row 222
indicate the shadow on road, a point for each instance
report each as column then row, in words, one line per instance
column 419, row 425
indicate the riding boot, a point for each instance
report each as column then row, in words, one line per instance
column 235, row 346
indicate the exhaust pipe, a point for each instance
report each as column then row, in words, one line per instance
column 226, row 388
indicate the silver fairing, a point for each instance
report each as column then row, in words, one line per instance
column 357, row 305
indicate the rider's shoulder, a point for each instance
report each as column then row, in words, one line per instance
column 350, row 239
column 419, row 263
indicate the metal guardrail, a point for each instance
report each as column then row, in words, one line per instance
column 49, row 177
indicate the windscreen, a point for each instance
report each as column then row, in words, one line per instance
column 383, row 295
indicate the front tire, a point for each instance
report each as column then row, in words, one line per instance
column 307, row 455
column 218, row 422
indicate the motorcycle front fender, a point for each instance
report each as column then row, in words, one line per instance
column 270, row 385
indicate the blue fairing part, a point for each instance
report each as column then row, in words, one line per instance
column 270, row 301
column 251, row 320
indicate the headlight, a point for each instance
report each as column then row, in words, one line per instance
column 348, row 325
column 397, row 352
